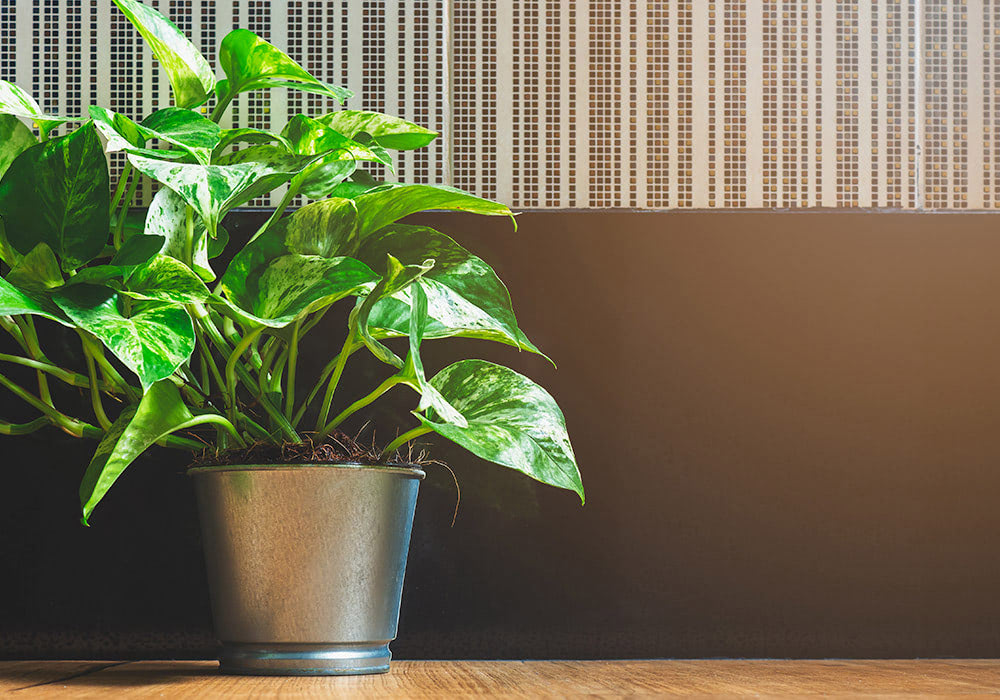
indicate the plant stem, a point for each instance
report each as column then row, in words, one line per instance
column 324, row 375
column 118, row 237
column 111, row 374
column 405, row 438
column 63, row 375
column 278, row 211
column 338, row 370
column 74, row 427
column 189, row 236
column 215, row 419
column 24, row 428
column 120, row 189
column 293, row 358
column 35, row 350
column 9, row 325
column 359, row 404
column 95, row 392
column 234, row 357
column 201, row 314
column 220, row 107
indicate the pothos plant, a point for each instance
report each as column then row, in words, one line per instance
column 176, row 346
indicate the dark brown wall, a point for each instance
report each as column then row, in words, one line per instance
column 787, row 425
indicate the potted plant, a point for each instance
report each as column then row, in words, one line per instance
column 305, row 532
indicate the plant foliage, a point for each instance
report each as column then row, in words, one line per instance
column 169, row 353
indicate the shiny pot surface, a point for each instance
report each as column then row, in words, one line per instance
column 305, row 563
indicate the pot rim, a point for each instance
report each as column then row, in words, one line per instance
column 411, row 472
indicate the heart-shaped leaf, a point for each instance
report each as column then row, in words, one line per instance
column 387, row 131
column 228, row 137
column 464, row 295
column 384, row 206
column 15, row 138
column 58, row 193
column 152, row 338
column 250, row 63
column 511, row 421
column 190, row 75
column 136, row 251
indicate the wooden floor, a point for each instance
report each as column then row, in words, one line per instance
column 420, row 679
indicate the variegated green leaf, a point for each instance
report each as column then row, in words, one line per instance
column 58, row 193
column 160, row 413
column 396, row 278
column 228, row 137
column 412, row 372
column 192, row 132
column 511, row 421
column 15, row 138
column 16, row 102
column 15, row 302
column 136, row 251
column 214, row 189
column 465, row 296
column 387, row 131
column 382, row 207
column 250, row 63
column 190, row 75
column 166, row 279
column 166, row 217
column 151, row 338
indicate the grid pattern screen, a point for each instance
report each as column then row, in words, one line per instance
column 655, row 104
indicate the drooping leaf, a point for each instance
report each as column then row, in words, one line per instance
column 387, row 131
column 382, row 207
column 465, row 296
column 160, row 413
column 166, row 279
column 15, row 138
column 396, row 278
column 214, row 189
column 152, row 338
column 511, row 421
column 190, row 75
column 58, row 193
column 16, row 102
column 36, row 271
column 250, row 63
column 15, row 302
column 413, row 368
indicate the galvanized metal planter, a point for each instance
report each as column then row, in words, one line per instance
column 305, row 564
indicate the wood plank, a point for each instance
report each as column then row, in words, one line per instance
column 19, row 675
column 420, row 679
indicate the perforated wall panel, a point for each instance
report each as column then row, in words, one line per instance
column 601, row 103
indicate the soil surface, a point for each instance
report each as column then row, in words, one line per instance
column 337, row 448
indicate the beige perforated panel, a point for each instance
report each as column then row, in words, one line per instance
column 600, row 103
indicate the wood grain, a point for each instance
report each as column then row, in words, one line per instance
column 516, row 679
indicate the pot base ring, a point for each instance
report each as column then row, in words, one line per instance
column 304, row 659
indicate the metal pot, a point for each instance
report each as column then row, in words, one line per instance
column 305, row 564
